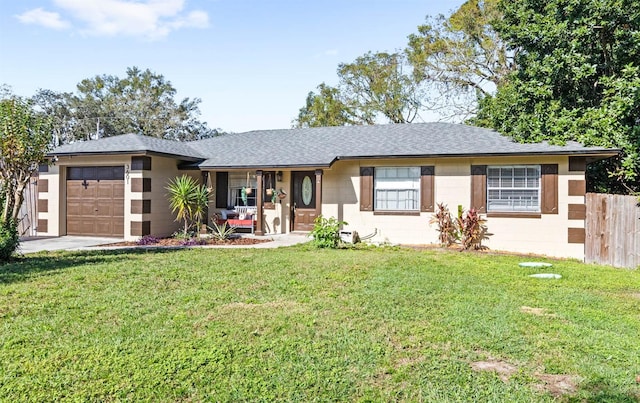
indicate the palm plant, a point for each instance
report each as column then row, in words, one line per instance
column 200, row 204
column 188, row 200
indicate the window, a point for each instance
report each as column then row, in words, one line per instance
column 397, row 189
column 238, row 180
column 513, row 188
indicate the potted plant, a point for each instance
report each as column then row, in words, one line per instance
column 247, row 189
column 269, row 189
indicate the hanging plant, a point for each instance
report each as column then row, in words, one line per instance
column 247, row 189
column 270, row 190
column 243, row 195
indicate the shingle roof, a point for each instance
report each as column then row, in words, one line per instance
column 130, row 144
column 320, row 147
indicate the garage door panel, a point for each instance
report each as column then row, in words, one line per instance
column 80, row 227
column 103, row 226
column 75, row 189
column 118, row 208
column 118, row 190
column 95, row 206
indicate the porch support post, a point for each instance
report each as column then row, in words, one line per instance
column 318, row 192
column 259, row 203
column 206, row 184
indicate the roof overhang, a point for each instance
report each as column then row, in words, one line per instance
column 130, row 152
column 591, row 155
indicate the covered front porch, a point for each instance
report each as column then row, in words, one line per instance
column 265, row 201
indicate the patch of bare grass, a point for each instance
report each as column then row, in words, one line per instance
column 557, row 385
column 502, row 368
column 537, row 311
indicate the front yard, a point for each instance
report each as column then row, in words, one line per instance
column 297, row 324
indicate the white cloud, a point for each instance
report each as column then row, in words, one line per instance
column 47, row 19
column 149, row 19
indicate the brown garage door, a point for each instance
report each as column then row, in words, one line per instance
column 95, row 201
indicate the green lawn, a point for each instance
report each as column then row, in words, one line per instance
column 298, row 324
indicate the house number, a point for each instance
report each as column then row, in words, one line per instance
column 307, row 190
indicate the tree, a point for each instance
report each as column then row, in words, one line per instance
column 377, row 84
column 25, row 138
column 461, row 57
column 448, row 66
column 374, row 86
column 326, row 108
column 578, row 79
column 143, row 102
column 55, row 106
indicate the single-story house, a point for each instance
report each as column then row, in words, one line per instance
column 384, row 181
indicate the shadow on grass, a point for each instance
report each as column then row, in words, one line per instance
column 600, row 391
column 46, row 263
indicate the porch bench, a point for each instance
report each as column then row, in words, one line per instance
column 240, row 217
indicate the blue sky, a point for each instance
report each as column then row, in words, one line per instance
column 251, row 62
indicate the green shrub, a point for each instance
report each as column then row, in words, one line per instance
column 326, row 232
column 221, row 232
column 9, row 240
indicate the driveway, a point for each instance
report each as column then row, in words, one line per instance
column 68, row 242
column 37, row 244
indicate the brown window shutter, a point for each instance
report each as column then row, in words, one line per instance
column 366, row 188
column 549, row 189
column 222, row 189
column 426, row 188
column 479, row 188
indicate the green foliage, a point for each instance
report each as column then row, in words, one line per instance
column 9, row 240
column 25, row 138
column 221, row 232
column 376, row 85
column 142, row 102
column 461, row 57
column 447, row 228
column 450, row 63
column 326, row 232
column 291, row 324
column 326, row 108
column 188, row 201
column 578, row 80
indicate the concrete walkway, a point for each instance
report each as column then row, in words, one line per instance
column 38, row 244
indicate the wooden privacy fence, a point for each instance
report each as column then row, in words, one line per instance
column 28, row 217
column 612, row 230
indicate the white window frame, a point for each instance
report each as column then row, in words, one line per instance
column 393, row 191
column 511, row 193
column 236, row 181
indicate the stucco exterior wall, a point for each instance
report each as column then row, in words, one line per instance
column 160, row 218
column 163, row 170
column 546, row 235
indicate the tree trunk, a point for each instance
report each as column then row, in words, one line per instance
column 18, row 198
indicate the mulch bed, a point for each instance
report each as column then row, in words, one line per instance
column 183, row 242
